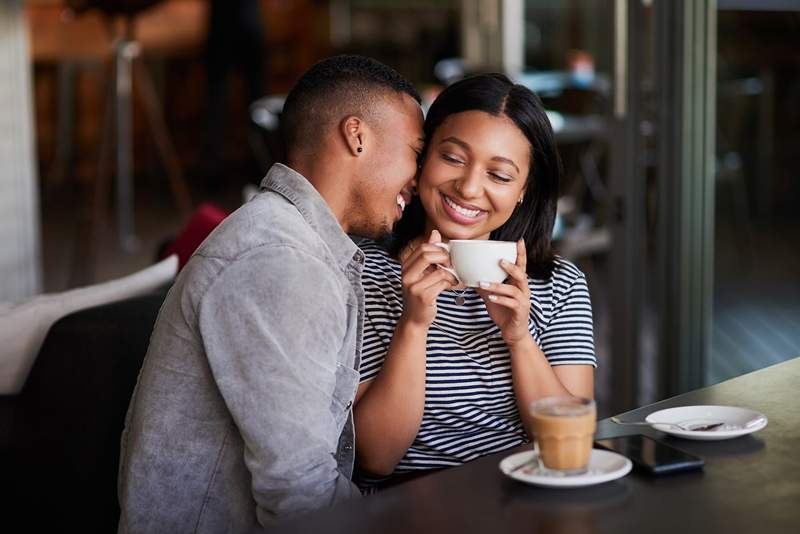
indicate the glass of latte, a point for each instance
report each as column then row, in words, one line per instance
column 563, row 430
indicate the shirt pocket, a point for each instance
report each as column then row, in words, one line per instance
column 344, row 392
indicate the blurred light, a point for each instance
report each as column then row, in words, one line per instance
column 556, row 120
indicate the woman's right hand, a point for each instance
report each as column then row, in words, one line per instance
column 423, row 282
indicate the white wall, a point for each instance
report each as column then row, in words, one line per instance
column 20, row 251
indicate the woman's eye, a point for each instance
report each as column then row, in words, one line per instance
column 500, row 178
column 451, row 159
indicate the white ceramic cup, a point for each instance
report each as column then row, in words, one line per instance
column 476, row 260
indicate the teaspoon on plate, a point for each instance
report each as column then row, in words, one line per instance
column 702, row 428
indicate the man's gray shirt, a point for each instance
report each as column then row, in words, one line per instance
column 243, row 408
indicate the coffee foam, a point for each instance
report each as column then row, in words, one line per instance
column 565, row 410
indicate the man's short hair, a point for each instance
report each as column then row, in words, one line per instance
column 333, row 89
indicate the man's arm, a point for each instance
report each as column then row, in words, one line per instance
column 272, row 325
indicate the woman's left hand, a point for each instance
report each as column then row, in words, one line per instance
column 509, row 304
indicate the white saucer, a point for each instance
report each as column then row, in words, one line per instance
column 603, row 467
column 738, row 421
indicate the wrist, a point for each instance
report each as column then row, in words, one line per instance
column 408, row 327
column 523, row 343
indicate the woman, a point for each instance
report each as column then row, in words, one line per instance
column 443, row 383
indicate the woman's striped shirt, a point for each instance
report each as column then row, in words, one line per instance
column 470, row 408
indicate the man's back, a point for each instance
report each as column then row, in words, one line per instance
column 215, row 432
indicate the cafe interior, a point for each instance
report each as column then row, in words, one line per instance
column 131, row 128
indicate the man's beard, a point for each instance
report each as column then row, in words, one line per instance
column 369, row 224
column 376, row 232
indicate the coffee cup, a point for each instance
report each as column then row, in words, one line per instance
column 477, row 260
column 563, row 429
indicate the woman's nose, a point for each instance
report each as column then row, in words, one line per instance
column 469, row 185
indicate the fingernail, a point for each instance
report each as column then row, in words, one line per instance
column 493, row 297
column 485, row 285
column 504, row 263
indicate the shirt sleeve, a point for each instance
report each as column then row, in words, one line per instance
column 272, row 326
column 568, row 338
column 380, row 316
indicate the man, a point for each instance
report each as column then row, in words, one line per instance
column 242, row 411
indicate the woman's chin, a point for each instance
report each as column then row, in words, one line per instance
column 448, row 233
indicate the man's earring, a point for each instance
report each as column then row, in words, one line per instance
column 360, row 149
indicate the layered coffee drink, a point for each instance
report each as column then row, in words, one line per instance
column 564, row 432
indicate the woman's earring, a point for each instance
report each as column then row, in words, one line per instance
column 520, row 200
column 360, row 149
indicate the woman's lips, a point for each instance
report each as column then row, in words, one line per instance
column 460, row 213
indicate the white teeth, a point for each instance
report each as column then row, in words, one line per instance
column 459, row 209
column 401, row 202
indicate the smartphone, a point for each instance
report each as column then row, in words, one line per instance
column 652, row 456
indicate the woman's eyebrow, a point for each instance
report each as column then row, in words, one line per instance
column 465, row 146
column 501, row 159
column 456, row 141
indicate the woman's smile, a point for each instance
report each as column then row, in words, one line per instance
column 462, row 213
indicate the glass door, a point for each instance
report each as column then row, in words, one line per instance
column 757, row 189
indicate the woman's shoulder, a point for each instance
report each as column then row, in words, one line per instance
column 564, row 272
column 377, row 256
column 372, row 248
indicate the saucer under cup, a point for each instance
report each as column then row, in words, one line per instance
column 604, row 466
column 736, row 422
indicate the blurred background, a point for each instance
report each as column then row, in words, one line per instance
column 678, row 123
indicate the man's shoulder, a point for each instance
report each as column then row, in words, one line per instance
column 268, row 220
column 263, row 238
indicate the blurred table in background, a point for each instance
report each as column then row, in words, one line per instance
column 175, row 27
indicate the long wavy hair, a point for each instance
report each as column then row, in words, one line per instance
column 533, row 219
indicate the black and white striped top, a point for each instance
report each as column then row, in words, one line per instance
column 470, row 408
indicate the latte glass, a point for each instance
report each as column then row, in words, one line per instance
column 563, row 430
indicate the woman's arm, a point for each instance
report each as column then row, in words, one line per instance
column 533, row 378
column 532, row 375
column 388, row 409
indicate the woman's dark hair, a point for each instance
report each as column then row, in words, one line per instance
column 533, row 219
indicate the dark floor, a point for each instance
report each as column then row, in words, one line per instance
column 756, row 296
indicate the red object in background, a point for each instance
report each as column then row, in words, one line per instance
column 204, row 219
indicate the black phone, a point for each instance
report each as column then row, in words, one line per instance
column 651, row 456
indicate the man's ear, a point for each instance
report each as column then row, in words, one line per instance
column 353, row 130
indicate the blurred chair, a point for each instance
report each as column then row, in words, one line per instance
column 60, row 436
column 24, row 326
column 449, row 70
column 265, row 113
column 205, row 218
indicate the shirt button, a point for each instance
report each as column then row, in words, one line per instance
column 358, row 257
column 348, row 447
column 349, row 404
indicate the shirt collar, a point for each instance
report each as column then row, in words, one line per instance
column 298, row 190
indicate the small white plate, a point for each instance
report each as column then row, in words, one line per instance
column 604, row 466
column 737, row 421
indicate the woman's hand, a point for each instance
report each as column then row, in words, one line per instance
column 423, row 282
column 509, row 305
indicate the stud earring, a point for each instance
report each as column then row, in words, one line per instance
column 360, row 149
